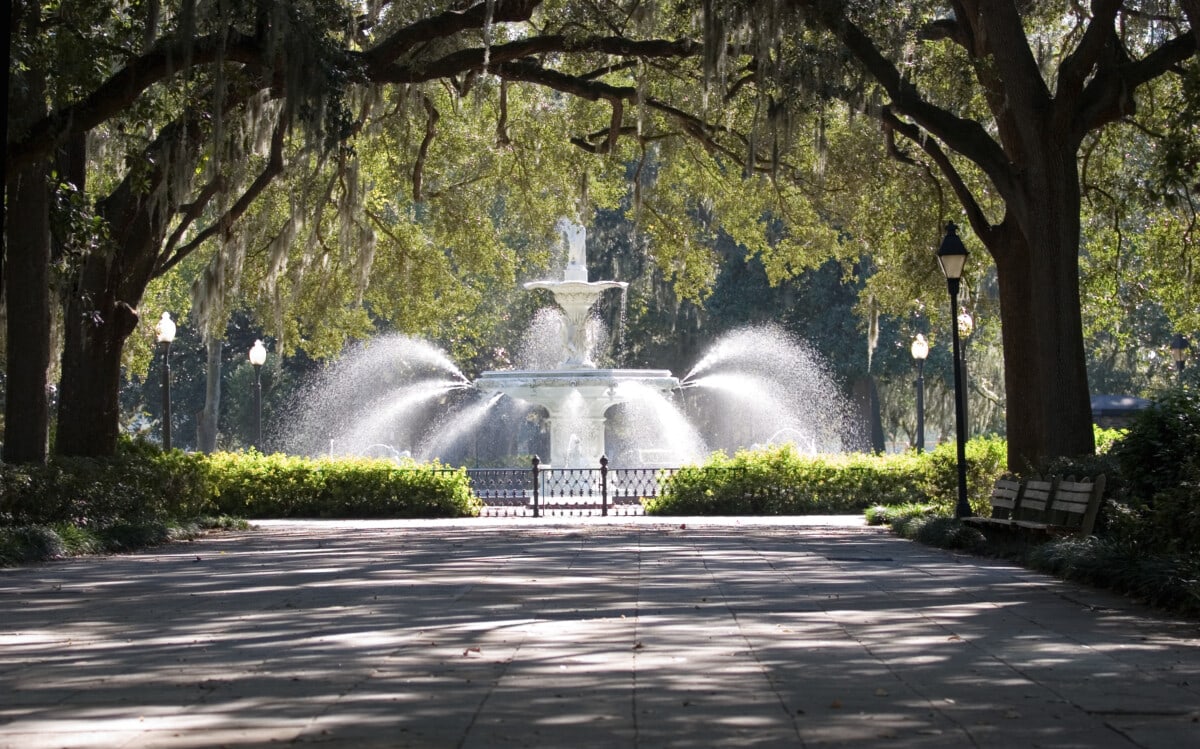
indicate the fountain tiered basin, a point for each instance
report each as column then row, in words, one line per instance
column 577, row 401
column 397, row 395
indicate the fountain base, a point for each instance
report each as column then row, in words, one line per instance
column 576, row 400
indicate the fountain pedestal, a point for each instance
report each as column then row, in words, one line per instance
column 576, row 400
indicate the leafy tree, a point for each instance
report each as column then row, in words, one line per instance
column 743, row 111
column 996, row 100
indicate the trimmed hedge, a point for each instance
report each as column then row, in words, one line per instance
column 139, row 485
column 278, row 486
column 143, row 486
column 779, row 481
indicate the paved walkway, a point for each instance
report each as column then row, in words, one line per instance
column 626, row 633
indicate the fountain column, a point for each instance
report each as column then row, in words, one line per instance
column 575, row 393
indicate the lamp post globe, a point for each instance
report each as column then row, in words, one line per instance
column 258, row 357
column 952, row 257
column 1179, row 347
column 966, row 326
column 164, row 332
column 920, row 351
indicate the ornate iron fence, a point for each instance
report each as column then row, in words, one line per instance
column 538, row 491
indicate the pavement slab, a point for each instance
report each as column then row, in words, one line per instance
column 620, row 632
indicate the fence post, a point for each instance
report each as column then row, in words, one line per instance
column 603, row 485
column 536, row 463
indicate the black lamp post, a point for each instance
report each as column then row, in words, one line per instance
column 966, row 326
column 258, row 357
column 1179, row 347
column 165, row 332
column 920, row 350
column 952, row 256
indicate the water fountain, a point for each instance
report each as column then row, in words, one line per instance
column 576, row 393
column 397, row 395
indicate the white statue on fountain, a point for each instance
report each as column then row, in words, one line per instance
column 576, row 296
column 575, row 237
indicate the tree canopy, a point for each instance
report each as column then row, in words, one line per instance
column 337, row 165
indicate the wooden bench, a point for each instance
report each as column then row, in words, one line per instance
column 1048, row 505
column 1006, row 496
column 1073, row 507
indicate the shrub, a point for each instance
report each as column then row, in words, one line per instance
column 143, row 496
column 986, row 458
column 779, row 481
column 259, row 486
column 137, row 485
column 1155, row 453
column 1107, row 438
column 29, row 543
column 1126, row 566
column 892, row 514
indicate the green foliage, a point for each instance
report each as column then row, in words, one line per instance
column 1170, row 581
column 258, row 486
column 893, row 514
column 1162, row 445
column 143, row 497
column 942, row 532
column 781, row 482
column 29, row 543
column 139, row 485
column 986, row 458
column 1172, row 523
column 1107, row 438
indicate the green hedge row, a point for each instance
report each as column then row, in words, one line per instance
column 140, row 485
column 781, row 481
column 278, row 486
column 143, row 486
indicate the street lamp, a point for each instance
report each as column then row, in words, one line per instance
column 258, row 357
column 164, row 330
column 920, row 350
column 966, row 326
column 1179, row 347
column 952, row 256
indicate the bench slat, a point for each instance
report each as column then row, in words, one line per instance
column 1051, row 504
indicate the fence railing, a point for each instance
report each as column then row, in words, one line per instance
column 576, row 491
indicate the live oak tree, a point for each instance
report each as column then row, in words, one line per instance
column 174, row 95
column 730, row 113
column 997, row 99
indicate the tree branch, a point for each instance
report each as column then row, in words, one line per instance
column 431, row 119
column 192, row 212
column 1108, row 96
column 965, row 136
column 979, row 223
column 225, row 222
column 472, row 58
column 441, row 26
column 121, row 89
column 1099, row 34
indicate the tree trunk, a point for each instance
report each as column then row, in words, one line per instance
column 1037, row 263
column 101, row 310
column 206, row 420
column 89, row 406
column 27, row 282
column 868, row 435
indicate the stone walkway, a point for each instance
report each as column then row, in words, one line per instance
column 628, row 633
